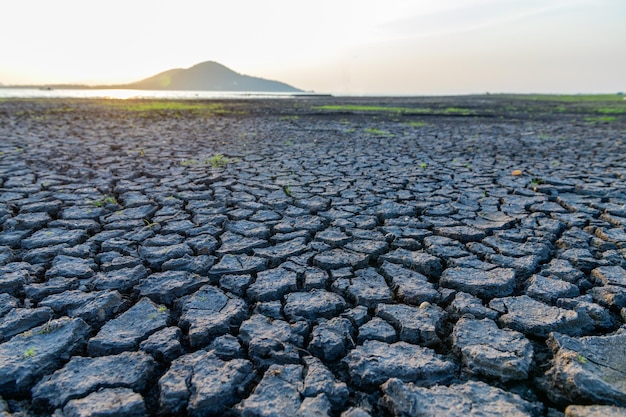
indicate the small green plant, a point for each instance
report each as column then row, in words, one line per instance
column 29, row 353
column 289, row 143
column 423, row 165
column 189, row 162
column 581, row 359
column 218, row 161
column 162, row 309
column 287, row 190
column 375, row 131
column 536, row 181
column 459, row 111
column 48, row 327
column 107, row 199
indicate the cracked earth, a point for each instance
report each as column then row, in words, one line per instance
column 277, row 258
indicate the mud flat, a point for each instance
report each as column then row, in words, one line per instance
column 313, row 256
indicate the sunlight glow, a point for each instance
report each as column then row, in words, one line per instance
column 349, row 46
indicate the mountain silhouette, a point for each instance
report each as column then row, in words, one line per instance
column 210, row 76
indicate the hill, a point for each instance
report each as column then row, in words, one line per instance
column 210, row 76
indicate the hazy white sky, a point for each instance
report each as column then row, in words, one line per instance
column 338, row 46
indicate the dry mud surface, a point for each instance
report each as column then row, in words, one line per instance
column 281, row 258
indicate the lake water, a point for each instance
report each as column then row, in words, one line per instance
column 127, row 94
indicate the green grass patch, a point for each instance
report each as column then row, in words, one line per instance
column 458, row 110
column 374, row 131
column 218, row 161
column 612, row 110
column 417, row 124
column 571, row 98
column 359, row 108
column 396, row 110
column 170, row 106
column 600, row 119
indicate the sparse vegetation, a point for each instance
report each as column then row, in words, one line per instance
column 149, row 224
column 398, row 110
column 218, row 161
column 596, row 119
column 375, row 131
column 417, row 124
column 29, row 353
column 104, row 201
column 536, row 181
column 145, row 106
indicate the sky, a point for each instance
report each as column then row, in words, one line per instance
column 361, row 47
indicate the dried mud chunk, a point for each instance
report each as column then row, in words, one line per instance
column 19, row 320
column 273, row 284
column 418, row 261
column 377, row 329
column 313, row 305
column 165, row 287
column 278, row 393
column 367, row 288
column 238, row 264
column 549, row 290
column 498, row 282
column 108, row 402
column 82, row 376
column 487, row 350
column 463, row 234
column 54, row 236
column 340, row 258
column 201, row 384
column 331, row 339
column 610, row 275
column 320, row 380
column 589, row 369
column 472, row 398
column 30, row 355
column 129, row 329
column 272, row 341
column 594, row 411
column 465, row 303
column 375, row 362
column 414, row 324
column 533, row 317
column 409, row 286
column 210, row 312
column 164, row 345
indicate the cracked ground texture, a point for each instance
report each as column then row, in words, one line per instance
column 312, row 256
